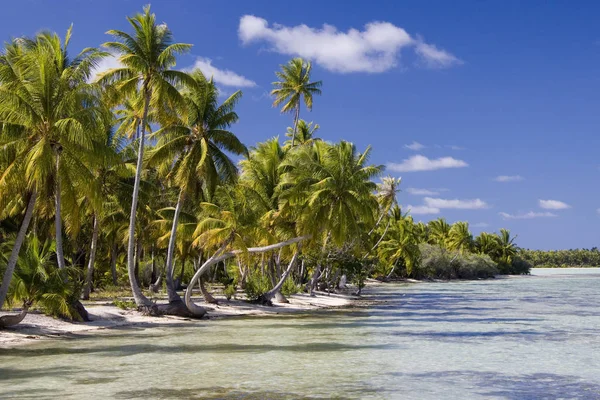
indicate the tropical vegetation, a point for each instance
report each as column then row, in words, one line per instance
column 129, row 178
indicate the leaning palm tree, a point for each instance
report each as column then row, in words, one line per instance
column 147, row 57
column 195, row 146
column 293, row 87
column 51, row 120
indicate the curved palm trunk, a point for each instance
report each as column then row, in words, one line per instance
column 296, row 118
column 90, row 271
column 205, row 293
column 173, row 296
column 138, row 296
column 11, row 320
column 267, row 297
column 57, row 217
column 218, row 257
column 14, row 255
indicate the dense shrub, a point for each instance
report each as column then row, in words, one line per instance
column 437, row 262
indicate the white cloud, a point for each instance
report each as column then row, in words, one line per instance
column 374, row 49
column 509, row 178
column 480, row 225
column 453, row 147
column 422, row 192
column 529, row 215
column 414, row 146
column 422, row 163
column 224, row 77
column 473, row 204
column 108, row 62
column 553, row 205
column 422, row 210
column 434, row 57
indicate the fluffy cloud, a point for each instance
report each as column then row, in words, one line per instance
column 414, row 146
column 224, row 77
column 374, row 49
column 422, row 192
column 529, row 215
column 509, row 178
column 422, row 210
column 474, row 204
column 553, row 205
column 104, row 65
column 422, row 163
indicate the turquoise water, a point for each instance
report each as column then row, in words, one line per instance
column 531, row 337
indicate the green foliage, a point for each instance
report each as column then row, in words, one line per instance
column 38, row 280
column 439, row 263
column 256, row 285
column 581, row 258
column 289, row 287
column 229, row 291
column 125, row 304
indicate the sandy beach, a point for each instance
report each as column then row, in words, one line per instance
column 104, row 315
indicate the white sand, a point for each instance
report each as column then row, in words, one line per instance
column 37, row 326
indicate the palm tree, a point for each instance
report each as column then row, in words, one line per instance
column 439, row 230
column 332, row 186
column 294, row 86
column 198, row 143
column 402, row 244
column 51, row 119
column 508, row 249
column 147, row 57
column 459, row 237
column 488, row 243
column 305, row 132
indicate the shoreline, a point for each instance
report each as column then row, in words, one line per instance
column 105, row 316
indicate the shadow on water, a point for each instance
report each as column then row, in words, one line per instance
column 131, row 349
column 518, row 387
column 214, row 393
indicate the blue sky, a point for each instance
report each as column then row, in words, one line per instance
column 488, row 89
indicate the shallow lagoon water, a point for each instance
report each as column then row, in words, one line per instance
column 533, row 337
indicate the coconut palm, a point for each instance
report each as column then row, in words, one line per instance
column 488, row 243
column 459, row 237
column 332, row 186
column 305, row 132
column 198, row 142
column 293, row 87
column 147, row 57
column 51, row 120
column 401, row 244
column 439, row 230
column 507, row 247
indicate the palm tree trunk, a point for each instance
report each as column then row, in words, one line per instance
column 221, row 256
column 14, row 255
column 205, row 293
column 113, row 263
column 173, row 296
column 11, row 320
column 296, row 118
column 90, row 271
column 140, row 299
column 57, row 217
column 277, row 288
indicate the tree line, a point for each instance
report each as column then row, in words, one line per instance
column 582, row 258
column 127, row 178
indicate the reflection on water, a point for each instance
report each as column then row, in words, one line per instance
column 514, row 338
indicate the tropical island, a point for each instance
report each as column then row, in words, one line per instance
column 134, row 178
